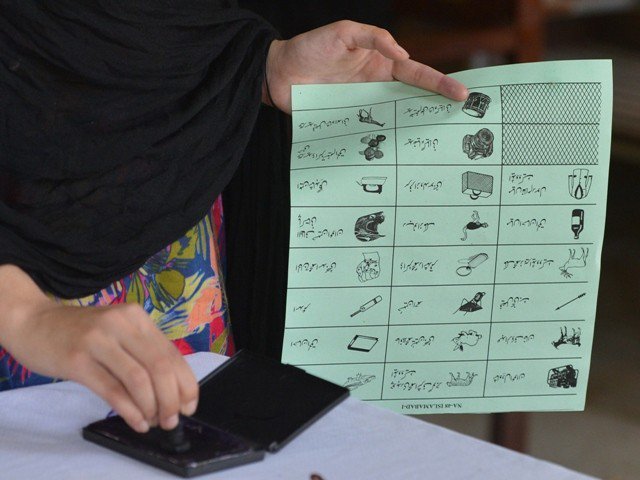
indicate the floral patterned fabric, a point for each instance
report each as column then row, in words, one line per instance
column 181, row 287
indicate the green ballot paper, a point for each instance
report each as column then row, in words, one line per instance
column 445, row 256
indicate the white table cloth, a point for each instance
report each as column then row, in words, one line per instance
column 40, row 438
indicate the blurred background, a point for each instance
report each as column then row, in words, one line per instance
column 452, row 35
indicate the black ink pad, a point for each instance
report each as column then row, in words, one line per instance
column 211, row 448
column 249, row 405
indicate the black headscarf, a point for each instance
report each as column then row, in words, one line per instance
column 120, row 123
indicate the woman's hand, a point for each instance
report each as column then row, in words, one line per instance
column 116, row 351
column 346, row 52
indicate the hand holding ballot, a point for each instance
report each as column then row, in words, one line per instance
column 348, row 52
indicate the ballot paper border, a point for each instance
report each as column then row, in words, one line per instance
column 397, row 164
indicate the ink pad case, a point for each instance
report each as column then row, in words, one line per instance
column 211, row 448
column 249, row 405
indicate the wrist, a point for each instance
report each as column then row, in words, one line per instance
column 266, row 93
column 270, row 75
column 20, row 300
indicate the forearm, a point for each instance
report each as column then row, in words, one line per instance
column 19, row 295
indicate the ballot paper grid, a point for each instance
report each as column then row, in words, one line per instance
column 444, row 256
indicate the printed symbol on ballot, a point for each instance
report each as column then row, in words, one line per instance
column 479, row 145
column 571, row 301
column 372, row 184
column 362, row 343
column 365, row 116
column 373, row 146
column 461, row 382
column 474, row 224
column 577, row 222
column 477, row 185
column 566, row 339
column 470, row 338
column 366, row 227
column 358, row 380
column 574, row 261
column 470, row 263
column 476, row 104
column 369, row 268
column 563, row 377
column 580, row 183
column 470, row 306
column 366, row 306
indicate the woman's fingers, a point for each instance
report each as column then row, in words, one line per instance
column 141, row 343
column 131, row 374
column 187, row 383
column 175, row 386
column 422, row 76
column 167, row 393
column 357, row 35
column 105, row 385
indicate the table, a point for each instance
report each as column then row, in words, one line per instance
column 41, row 439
